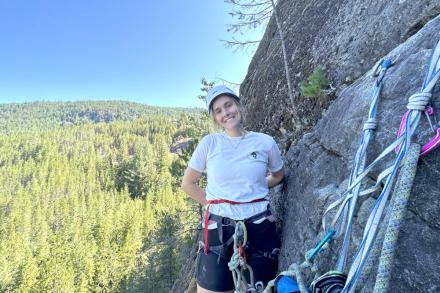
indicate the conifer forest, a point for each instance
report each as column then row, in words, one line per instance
column 90, row 197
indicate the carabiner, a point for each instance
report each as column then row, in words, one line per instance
column 433, row 143
column 383, row 64
column 259, row 286
column 321, row 245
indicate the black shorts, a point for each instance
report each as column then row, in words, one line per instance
column 212, row 269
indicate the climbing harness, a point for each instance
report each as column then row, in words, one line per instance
column 242, row 272
column 221, row 249
column 207, row 215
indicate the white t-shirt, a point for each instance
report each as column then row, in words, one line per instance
column 237, row 169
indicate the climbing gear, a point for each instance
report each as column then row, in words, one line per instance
column 346, row 211
column 242, row 271
column 360, row 160
column 349, row 198
column 330, row 282
column 259, row 286
column 416, row 104
column 323, row 244
column 207, row 216
column 261, row 251
column 347, row 201
column 433, row 143
column 396, row 212
column 218, row 91
column 294, row 271
column 238, row 264
column 384, row 244
column 286, row 284
column 221, row 249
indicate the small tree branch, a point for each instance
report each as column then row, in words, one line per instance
column 248, row 5
column 239, row 45
column 252, row 13
column 247, row 24
column 253, row 17
column 235, row 42
column 230, row 83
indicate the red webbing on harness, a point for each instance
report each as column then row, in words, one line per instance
column 206, row 219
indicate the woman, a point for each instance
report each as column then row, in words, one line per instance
column 237, row 163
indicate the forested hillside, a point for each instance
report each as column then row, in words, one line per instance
column 38, row 116
column 94, row 207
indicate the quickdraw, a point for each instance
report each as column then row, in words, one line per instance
column 238, row 264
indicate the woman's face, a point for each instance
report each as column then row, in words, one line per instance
column 226, row 112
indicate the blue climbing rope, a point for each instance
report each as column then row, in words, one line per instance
column 416, row 105
column 360, row 159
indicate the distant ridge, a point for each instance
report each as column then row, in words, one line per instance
column 46, row 115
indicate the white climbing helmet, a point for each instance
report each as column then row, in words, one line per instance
column 216, row 91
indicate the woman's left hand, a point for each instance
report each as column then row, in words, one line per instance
column 275, row 178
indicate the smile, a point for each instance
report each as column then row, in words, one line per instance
column 229, row 118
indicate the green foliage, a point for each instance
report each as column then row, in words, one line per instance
column 95, row 207
column 42, row 116
column 313, row 86
column 206, row 86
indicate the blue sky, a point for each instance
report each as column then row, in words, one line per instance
column 153, row 52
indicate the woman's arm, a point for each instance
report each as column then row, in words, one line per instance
column 274, row 178
column 190, row 186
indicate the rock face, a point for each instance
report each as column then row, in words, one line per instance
column 343, row 37
column 320, row 162
column 346, row 38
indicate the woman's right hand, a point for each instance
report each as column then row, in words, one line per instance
column 190, row 185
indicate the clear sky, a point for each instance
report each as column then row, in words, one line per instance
column 153, row 52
